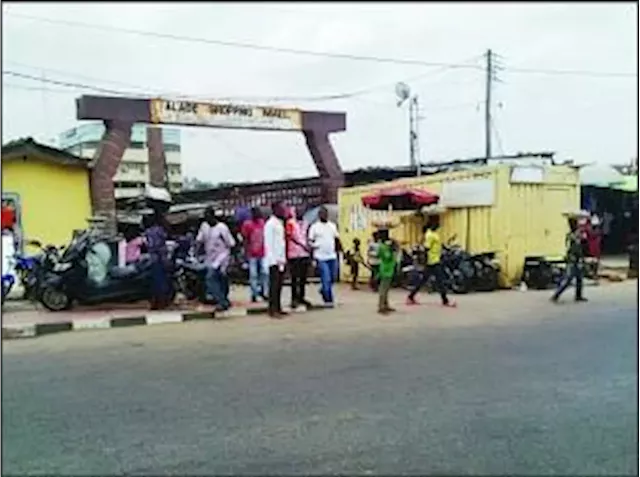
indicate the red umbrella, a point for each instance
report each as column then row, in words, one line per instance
column 399, row 198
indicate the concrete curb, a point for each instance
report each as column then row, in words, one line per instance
column 32, row 330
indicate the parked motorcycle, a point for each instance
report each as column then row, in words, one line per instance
column 459, row 271
column 190, row 276
column 487, row 271
column 31, row 270
column 7, row 285
column 540, row 273
column 463, row 272
column 84, row 275
column 413, row 265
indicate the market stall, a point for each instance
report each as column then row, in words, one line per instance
column 514, row 211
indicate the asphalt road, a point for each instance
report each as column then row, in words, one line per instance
column 521, row 387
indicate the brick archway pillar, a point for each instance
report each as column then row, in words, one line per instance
column 114, row 142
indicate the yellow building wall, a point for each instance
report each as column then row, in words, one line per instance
column 532, row 217
column 526, row 219
column 54, row 199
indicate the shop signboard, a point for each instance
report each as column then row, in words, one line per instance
column 222, row 115
column 527, row 175
column 468, row 193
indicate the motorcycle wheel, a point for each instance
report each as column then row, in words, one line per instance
column 491, row 279
column 55, row 300
column 180, row 286
column 459, row 284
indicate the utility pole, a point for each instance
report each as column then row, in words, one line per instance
column 414, row 160
column 493, row 66
column 403, row 93
column 487, row 105
column 414, row 136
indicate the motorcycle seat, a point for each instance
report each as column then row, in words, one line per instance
column 123, row 272
column 195, row 266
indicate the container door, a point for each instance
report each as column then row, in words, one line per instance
column 557, row 201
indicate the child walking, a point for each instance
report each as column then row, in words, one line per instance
column 387, row 266
column 354, row 258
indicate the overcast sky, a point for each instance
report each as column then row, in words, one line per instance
column 583, row 117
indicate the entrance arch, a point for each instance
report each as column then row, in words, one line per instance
column 119, row 114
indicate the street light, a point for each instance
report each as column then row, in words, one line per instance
column 403, row 93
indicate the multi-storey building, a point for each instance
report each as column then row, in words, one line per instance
column 133, row 172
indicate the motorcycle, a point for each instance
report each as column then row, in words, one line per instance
column 31, row 270
column 487, row 271
column 454, row 265
column 83, row 275
column 463, row 272
column 410, row 268
column 540, row 273
column 190, row 278
column 458, row 268
column 7, row 285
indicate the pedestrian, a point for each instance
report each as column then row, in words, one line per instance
column 184, row 245
column 155, row 239
column 218, row 241
column 325, row 242
column 252, row 231
column 387, row 254
column 354, row 260
column 133, row 246
column 575, row 262
column 275, row 257
column 373, row 260
column 433, row 247
column 297, row 256
column 594, row 243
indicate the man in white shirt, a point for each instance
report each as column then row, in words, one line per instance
column 218, row 242
column 325, row 242
column 275, row 257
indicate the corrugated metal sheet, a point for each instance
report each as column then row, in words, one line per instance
column 526, row 219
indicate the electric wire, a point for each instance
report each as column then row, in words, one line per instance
column 156, row 92
column 326, row 54
column 235, row 44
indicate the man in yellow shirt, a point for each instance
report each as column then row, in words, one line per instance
column 433, row 246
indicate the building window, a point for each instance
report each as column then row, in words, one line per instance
column 128, row 185
column 172, row 147
column 90, row 144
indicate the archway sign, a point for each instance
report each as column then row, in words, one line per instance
column 119, row 114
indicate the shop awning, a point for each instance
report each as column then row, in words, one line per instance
column 600, row 175
column 399, row 198
column 630, row 184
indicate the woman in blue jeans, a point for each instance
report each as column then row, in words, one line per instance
column 325, row 243
column 252, row 232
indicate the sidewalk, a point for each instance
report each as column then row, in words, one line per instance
column 21, row 319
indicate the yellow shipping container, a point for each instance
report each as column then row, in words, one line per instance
column 516, row 211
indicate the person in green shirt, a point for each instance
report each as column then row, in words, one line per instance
column 372, row 260
column 387, row 253
column 575, row 262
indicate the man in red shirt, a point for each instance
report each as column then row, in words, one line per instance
column 252, row 231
